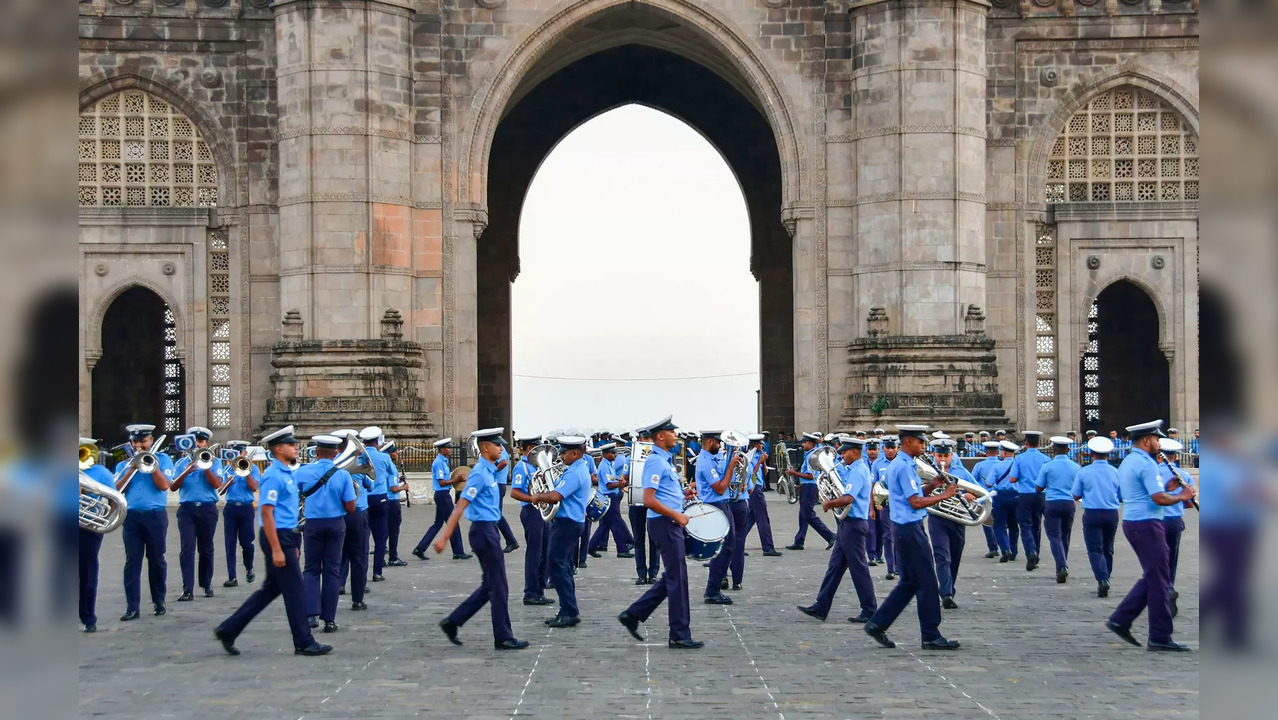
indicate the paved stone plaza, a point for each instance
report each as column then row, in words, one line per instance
column 1031, row 648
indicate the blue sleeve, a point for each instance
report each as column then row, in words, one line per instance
column 270, row 490
column 1077, row 489
column 703, row 473
column 1152, row 480
column 652, row 479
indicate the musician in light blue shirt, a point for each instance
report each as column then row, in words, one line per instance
column 849, row 556
column 1097, row 486
column 503, row 481
column 441, row 481
column 949, row 538
column 1173, row 515
column 808, row 498
column 886, row 547
column 238, row 516
column 572, row 492
column 1056, row 483
column 982, row 474
column 535, row 528
column 146, row 524
column 197, row 513
column 756, row 486
column 375, row 501
column 611, row 470
column 325, row 507
column 1030, row 503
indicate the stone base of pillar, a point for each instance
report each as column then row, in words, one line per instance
column 948, row 382
column 322, row 385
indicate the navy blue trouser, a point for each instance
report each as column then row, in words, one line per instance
column 1006, row 531
column 503, row 525
column 90, row 544
column 1058, row 521
column 647, row 554
column 808, row 515
column 991, row 543
column 286, row 581
column 918, row 581
column 144, row 533
column 565, row 535
column 1173, row 527
column 378, row 526
column 887, row 546
column 237, row 525
column 355, row 553
column 758, row 515
column 948, row 540
column 719, row 565
column 535, row 552
column 394, row 518
column 1099, row 529
column 1029, row 515
column 197, row 526
column 1153, row 590
column 325, row 538
column 583, row 542
column 612, row 522
column 672, row 587
column 849, row 556
column 1232, row 549
column 443, row 508
column 492, row 589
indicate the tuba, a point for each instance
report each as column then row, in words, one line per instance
column 102, row 507
column 823, row 460
column 736, row 442
column 956, row 508
column 549, row 468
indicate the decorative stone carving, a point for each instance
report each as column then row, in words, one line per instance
column 168, row 268
column 1067, row 8
column 210, row 78
column 101, row 269
column 1049, row 77
column 392, row 325
column 293, row 326
column 1093, row 262
column 974, row 321
column 877, row 322
column 1157, row 262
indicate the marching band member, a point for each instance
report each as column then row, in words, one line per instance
column 647, row 556
column 355, row 544
column 480, row 501
column 535, row 557
column 948, row 537
column 277, row 516
column 610, row 480
column 329, row 494
column 1144, row 497
column 572, row 492
column 1006, row 530
column 397, row 494
column 503, row 479
column 849, row 555
column 1030, row 504
column 441, row 477
column 583, row 542
column 664, row 495
column 238, row 515
column 983, row 472
column 1173, row 515
column 146, row 524
column 89, row 547
column 909, row 500
column 196, row 515
column 871, row 455
column 739, row 512
column 808, row 498
column 1056, row 483
column 714, row 472
column 1097, row 486
column 756, row 488
column 878, row 469
column 384, row 474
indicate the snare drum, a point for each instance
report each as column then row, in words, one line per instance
column 597, row 505
column 707, row 527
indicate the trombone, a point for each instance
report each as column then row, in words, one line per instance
column 146, row 462
column 241, row 467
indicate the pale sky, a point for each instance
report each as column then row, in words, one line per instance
column 634, row 214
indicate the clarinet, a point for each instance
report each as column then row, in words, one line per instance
column 1176, row 480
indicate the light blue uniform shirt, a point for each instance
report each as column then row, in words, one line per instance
column 100, row 474
column 1097, row 485
column 327, row 501
column 610, row 472
column 756, row 470
column 1025, row 469
column 503, row 475
column 878, row 469
column 482, row 493
column 806, row 469
column 574, row 486
column 986, row 471
column 196, row 487
column 959, row 471
column 439, row 472
column 239, row 490
column 142, row 494
column 521, row 477
column 279, row 490
column 710, row 469
column 1166, row 472
column 1138, row 480
column 903, row 482
column 385, row 470
column 856, row 482
column 660, row 475
column 365, row 487
column 1001, row 475
column 1057, row 478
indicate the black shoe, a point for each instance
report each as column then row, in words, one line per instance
column 341, row 590
column 538, row 601
column 948, row 603
column 379, row 578
column 159, row 610
column 450, row 630
column 185, row 597
column 1031, row 562
column 90, row 628
column 1005, row 557
column 859, row 619
column 1062, row 575
column 1175, row 608
column 719, row 599
column 829, row 544
column 879, row 635
column 991, row 554
column 793, row 547
column 631, row 623
column 872, row 562
column 420, row 554
column 641, row 580
column 705, row 564
column 357, row 606
column 227, row 640
column 1168, row 646
column 208, row 592
column 313, row 621
column 771, row 553
column 396, row 563
column 594, row 554
column 724, row 585
column 581, row 565
column 1102, row 588
column 130, row 615
column 686, row 644
column 890, row 576
column 510, row 548
column 745, row 554
column 736, row 587
column 1122, row 632
column 562, row 621
column 940, row 644
column 314, row 649
column 462, row 556
column 811, row 612
column 231, row 583
column 249, row 576
column 625, row 554
column 511, row 644
column 330, row 626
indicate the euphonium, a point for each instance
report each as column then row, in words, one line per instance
column 879, row 495
column 88, row 455
column 736, row 442
column 546, row 458
column 102, row 508
column 823, row 461
column 956, row 508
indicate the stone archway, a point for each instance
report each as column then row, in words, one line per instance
column 131, row 380
column 1130, row 375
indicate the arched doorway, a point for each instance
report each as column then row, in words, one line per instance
column 139, row 377
column 1125, row 376
column 570, row 86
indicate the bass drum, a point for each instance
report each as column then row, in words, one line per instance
column 707, row 527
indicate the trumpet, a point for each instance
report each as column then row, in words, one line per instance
column 102, row 508
column 957, row 508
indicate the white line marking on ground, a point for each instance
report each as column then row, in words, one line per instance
column 956, row 687
column 750, row 656
column 531, row 672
